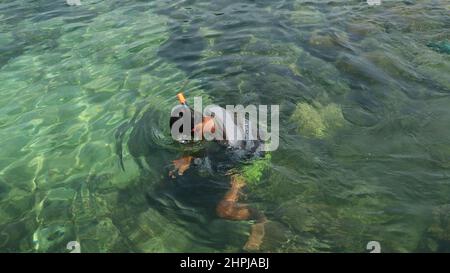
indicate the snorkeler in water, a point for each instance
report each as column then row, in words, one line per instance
column 238, row 145
column 209, row 176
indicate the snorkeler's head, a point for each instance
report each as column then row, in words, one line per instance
column 180, row 117
column 184, row 116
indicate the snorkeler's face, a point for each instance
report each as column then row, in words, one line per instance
column 205, row 127
column 183, row 117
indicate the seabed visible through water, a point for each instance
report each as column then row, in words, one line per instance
column 364, row 117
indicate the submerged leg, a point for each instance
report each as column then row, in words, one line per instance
column 230, row 209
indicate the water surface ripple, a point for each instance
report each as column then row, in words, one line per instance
column 365, row 138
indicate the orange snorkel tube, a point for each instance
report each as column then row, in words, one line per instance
column 183, row 102
column 180, row 95
column 207, row 120
column 181, row 98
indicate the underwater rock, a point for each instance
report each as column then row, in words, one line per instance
column 360, row 117
column 283, row 182
column 16, row 203
column 402, row 237
column 43, row 33
column 328, row 44
column 53, row 237
column 21, row 72
column 60, row 194
column 16, row 235
column 232, row 235
column 283, row 54
column 102, row 84
column 154, row 233
column 332, row 115
column 326, row 80
column 5, row 39
column 370, row 205
column 306, row 217
column 440, row 46
column 5, row 188
column 360, row 69
column 55, row 228
column 20, row 177
column 100, row 235
column 304, row 16
column 392, row 65
column 434, row 66
column 317, row 121
column 275, row 236
column 121, row 180
column 413, row 20
column 420, row 25
column 92, row 217
column 309, row 120
column 440, row 153
column 324, row 41
column 440, row 226
column 210, row 35
column 131, row 80
column 360, row 29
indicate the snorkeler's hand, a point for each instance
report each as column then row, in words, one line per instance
column 180, row 165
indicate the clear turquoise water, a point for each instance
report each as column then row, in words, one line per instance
column 364, row 149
